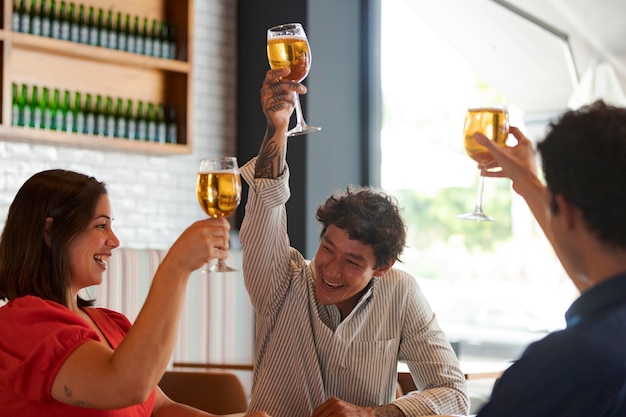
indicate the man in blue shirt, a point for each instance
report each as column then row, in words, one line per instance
column 581, row 370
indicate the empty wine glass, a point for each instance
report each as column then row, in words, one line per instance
column 288, row 47
column 218, row 187
column 493, row 122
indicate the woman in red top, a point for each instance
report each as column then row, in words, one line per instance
column 59, row 356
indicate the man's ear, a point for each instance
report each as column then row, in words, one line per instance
column 382, row 270
column 46, row 231
column 567, row 210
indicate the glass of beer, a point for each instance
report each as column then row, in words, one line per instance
column 218, row 187
column 493, row 122
column 288, row 47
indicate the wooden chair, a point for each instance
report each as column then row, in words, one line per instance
column 213, row 392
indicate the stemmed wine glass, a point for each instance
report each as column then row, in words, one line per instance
column 493, row 122
column 288, row 47
column 218, row 188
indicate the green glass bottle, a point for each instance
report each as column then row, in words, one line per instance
column 111, row 31
column 44, row 13
column 131, row 44
column 122, row 32
column 156, row 39
column 93, row 27
column 64, row 20
column 151, row 124
column 100, row 117
column 27, row 113
column 131, row 122
column 78, row 114
column 172, row 125
column 15, row 105
column 55, row 21
column 120, row 119
column 16, row 17
column 161, row 127
column 141, row 38
column 83, row 27
column 142, row 124
column 27, row 17
column 50, row 111
column 39, row 109
column 165, row 42
column 103, row 33
column 90, row 116
column 74, row 24
column 35, row 19
column 109, row 118
column 68, row 114
column 24, row 18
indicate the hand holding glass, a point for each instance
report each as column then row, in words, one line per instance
column 218, row 188
column 493, row 122
column 288, row 47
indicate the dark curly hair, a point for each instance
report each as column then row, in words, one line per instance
column 584, row 160
column 369, row 216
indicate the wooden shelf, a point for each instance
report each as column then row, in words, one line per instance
column 64, row 65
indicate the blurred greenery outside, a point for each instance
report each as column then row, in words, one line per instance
column 426, row 168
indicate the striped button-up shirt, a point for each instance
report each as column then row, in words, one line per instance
column 305, row 354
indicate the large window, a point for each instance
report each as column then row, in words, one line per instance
column 494, row 286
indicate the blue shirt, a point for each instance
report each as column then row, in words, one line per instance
column 578, row 371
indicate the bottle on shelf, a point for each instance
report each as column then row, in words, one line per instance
column 156, row 40
column 18, row 8
column 25, row 16
column 29, row 105
column 44, row 18
column 133, row 36
column 151, row 123
column 90, row 117
column 35, row 19
column 131, row 122
column 140, row 38
column 50, row 111
column 15, row 106
column 111, row 31
column 171, row 32
column 172, row 125
column 109, row 115
column 93, row 27
column 147, row 38
column 142, row 125
column 122, row 32
column 65, row 22
column 100, row 117
column 78, row 114
column 74, row 24
column 161, row 136
column 83, row 27
column 120, row 119
column 39, row 109
column 68, row 114
column 55, row 21
column 103, row 32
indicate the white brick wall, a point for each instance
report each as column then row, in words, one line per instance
column 153, row 197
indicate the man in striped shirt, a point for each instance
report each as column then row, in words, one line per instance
column 329, row 332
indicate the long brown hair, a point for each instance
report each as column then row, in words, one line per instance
column 30, row 266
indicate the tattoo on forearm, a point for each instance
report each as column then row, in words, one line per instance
column 78, row 403
column 270, row 161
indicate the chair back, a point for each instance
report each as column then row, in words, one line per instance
column 213, row 392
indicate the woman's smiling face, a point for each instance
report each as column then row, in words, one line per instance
column 90, row 250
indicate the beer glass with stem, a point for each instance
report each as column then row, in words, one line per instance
column 288, row 47
column 493, row 122
column 218, row 187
